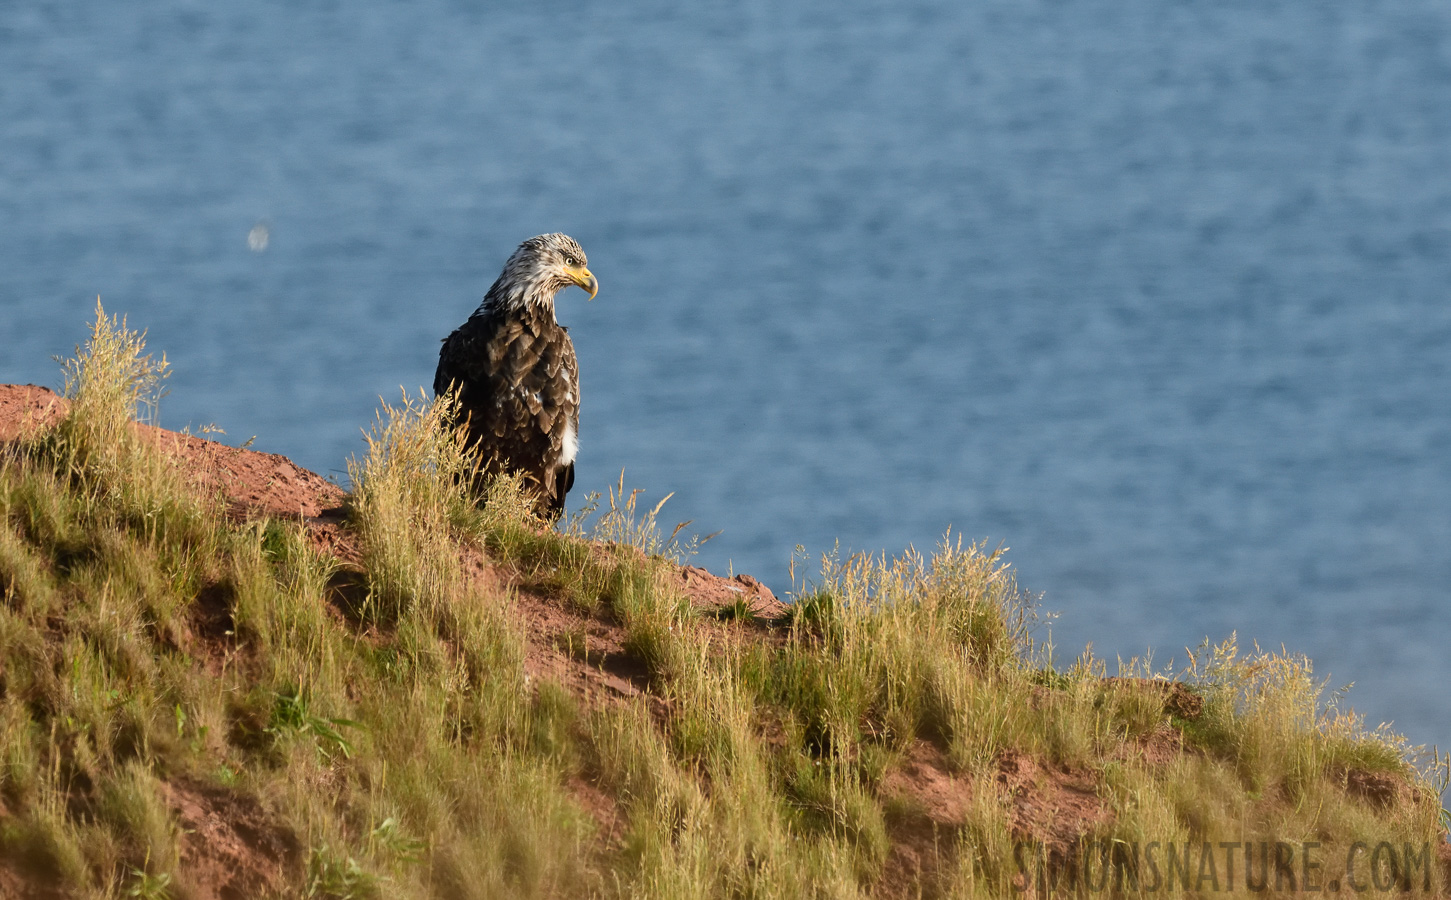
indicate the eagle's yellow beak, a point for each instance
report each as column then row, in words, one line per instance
column 585, row 279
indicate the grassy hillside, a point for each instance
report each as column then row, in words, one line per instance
column 415, row 696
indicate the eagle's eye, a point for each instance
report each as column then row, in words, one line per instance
column 570, row 261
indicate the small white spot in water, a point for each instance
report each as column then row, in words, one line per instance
column 258, row 237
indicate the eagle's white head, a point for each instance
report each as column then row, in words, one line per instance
column 541, row 267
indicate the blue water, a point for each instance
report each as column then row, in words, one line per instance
column 1155, row 293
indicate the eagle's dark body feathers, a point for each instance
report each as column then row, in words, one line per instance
column 514, row 370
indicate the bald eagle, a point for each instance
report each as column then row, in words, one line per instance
column 513, row 368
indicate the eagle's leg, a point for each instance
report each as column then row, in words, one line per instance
column 550, row 503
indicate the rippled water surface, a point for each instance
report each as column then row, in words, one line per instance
column 1155, row 293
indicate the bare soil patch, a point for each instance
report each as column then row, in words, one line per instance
column 25, row 408
column 253, row 483
column 230, row 848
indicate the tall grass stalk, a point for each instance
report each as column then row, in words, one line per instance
column 109, row 382
column 412, row 498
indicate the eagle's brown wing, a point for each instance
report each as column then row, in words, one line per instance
column 518, row 388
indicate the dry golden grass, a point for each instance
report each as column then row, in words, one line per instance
column 398, row 746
